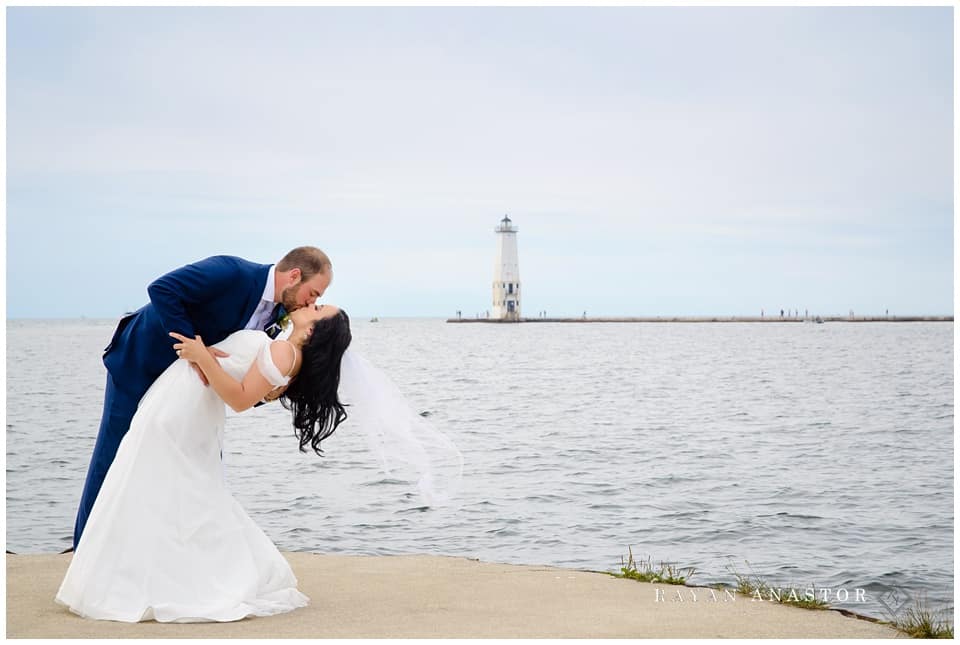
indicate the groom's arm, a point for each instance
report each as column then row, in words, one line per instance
column 188, row 286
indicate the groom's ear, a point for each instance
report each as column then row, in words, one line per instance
column 295, row 275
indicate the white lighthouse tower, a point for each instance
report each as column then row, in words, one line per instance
column 506, row 273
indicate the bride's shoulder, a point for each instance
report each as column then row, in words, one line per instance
column 284, row 355
column 275, row 359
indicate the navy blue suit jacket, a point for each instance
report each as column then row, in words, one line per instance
column 213, row 298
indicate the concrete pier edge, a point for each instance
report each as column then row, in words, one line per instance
column 709, row 319
column 432, row 596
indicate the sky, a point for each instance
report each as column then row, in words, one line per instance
column 656, row 160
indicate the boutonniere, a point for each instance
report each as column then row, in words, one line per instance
column 284, row 318
column 280, row 318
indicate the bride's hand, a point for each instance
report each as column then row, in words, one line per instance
column 196, row 349
column 191, row 349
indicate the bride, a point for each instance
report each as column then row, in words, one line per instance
column 165, row 540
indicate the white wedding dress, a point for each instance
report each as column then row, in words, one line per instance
column 166, row 540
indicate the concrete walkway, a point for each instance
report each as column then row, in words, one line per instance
column 420, row 596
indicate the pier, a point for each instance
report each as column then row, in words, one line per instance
column 708, row 319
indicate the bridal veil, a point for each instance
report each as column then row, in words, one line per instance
column 403, row 441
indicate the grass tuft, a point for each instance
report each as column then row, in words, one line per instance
column 757, row 587
column 921, row 621
column 918, row 621
column 644, row 571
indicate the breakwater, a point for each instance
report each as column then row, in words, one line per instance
column 709, row 319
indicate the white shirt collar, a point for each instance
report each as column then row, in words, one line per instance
column 262, row 312
column 269, row 291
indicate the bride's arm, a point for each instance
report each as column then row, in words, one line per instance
column 239, row 395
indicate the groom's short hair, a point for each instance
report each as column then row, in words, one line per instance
column 309, row 259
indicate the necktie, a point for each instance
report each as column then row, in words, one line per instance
column 273, row 327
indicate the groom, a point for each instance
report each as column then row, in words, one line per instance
column 211, row 298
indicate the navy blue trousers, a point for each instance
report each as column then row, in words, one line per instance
column 118, row 409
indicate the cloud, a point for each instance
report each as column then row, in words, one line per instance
column 627, row 133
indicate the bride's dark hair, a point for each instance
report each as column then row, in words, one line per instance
column 312, row 395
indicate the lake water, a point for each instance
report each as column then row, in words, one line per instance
column 821, row 454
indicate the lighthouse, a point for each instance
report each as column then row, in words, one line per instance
column 506, row 273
